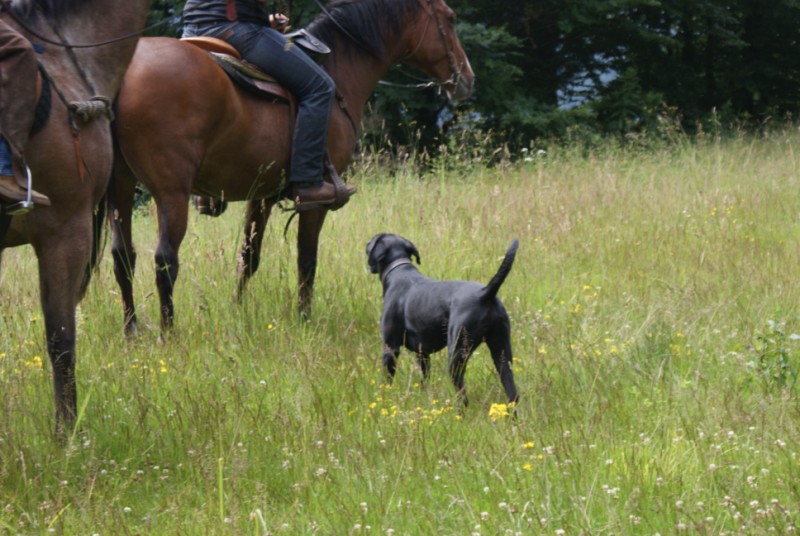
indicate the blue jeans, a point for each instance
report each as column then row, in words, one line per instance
column 6, row 160
column 314, row 89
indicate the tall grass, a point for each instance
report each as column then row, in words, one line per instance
column 654, row 305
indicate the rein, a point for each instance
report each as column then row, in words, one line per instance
column 347, row 34
column 455, row 76
column 98, row 105
column 343, row 107
column 64, row 44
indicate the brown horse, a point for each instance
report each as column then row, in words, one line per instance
column 183, row 127
column 70, row 158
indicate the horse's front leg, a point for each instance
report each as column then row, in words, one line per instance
column 307, row 244
column 173, row 211
column 256, row 216
column 63, row 259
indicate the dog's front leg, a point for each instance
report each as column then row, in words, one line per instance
column 424, row 360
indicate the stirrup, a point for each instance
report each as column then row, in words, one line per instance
column 22, row 207
column 343, row 192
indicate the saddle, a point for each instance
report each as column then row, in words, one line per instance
column 242, row 72
column 251, row 77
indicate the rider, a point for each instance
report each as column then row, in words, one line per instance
column 18, row 71
column 256, row 34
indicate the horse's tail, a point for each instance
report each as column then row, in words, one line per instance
column 490, row 290
column 98, row 242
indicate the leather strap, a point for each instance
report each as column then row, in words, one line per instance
column 230, row 12
column 392, row 266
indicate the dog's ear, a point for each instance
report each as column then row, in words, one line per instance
column 372, row 242
column 375, row 252
column 411, row 249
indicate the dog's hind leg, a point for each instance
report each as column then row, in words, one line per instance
column 459, row 349
column 499, row 344
column 390, row 353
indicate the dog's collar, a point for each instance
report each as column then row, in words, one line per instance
column 392, row 266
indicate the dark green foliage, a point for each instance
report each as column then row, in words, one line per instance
column 167, row 15
column 547, row 67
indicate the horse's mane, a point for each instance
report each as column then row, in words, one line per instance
column 366, row 20
column 52, row 9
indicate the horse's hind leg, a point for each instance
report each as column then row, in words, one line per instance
column 307, row 245
column 256, row 217
column 173, row 212
column 121, row 193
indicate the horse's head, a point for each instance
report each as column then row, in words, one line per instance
column 434, row 48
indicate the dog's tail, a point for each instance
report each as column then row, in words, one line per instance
column 490, row 290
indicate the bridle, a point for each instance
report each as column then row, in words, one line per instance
column 455, row 70
column 455, row 76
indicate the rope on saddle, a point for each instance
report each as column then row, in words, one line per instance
column 95, row 108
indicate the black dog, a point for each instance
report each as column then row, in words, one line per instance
column 426, row 315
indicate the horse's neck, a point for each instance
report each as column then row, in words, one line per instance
column 357, row 78
column 96, row 21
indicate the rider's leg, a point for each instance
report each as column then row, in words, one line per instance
column 18, row 71
column 315, row 91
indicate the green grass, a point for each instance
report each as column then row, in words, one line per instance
column 654, row 301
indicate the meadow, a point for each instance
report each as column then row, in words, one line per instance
column 654, row 307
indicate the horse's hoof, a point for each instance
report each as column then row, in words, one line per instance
column 131, row 329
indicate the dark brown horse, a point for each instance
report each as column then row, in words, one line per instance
column 183, row 127
column 70, row 159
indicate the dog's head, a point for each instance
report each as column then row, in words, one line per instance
column 385, row 248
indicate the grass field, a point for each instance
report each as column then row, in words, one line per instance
column 654, row 305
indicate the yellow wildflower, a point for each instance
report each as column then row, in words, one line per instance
column 499, row 411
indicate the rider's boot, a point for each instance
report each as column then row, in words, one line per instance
column 23, row 197
column 331, row 193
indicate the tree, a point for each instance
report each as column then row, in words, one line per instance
column 544, row 66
